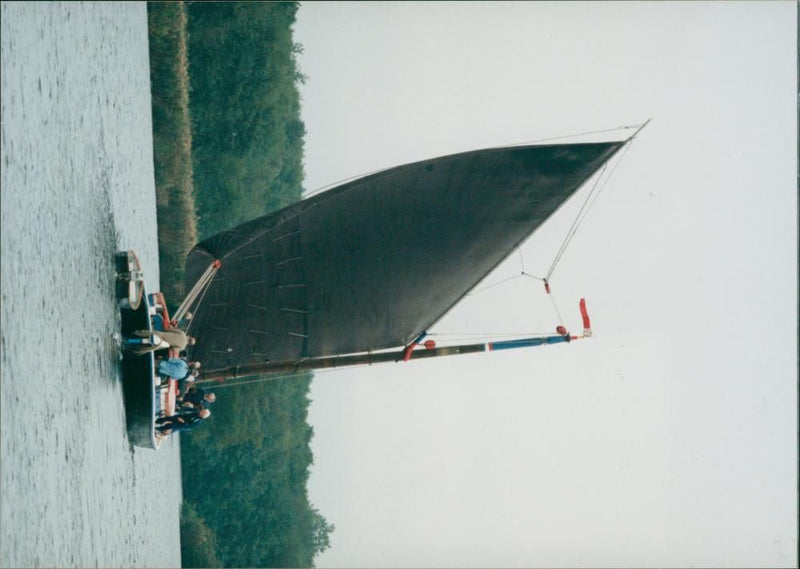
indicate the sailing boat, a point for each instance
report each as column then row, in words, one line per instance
column 358, row 274
column 370, row 265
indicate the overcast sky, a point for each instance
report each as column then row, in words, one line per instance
column 668, row 439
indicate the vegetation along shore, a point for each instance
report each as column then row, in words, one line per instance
column 228, row 147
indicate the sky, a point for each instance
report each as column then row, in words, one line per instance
column 670, row 437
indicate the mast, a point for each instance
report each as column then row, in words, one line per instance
column 405, row 354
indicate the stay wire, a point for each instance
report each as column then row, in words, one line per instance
column 595, row 192
column 575, row 224
column 549, row 139
column 587, row 133
column 498, row 283
column 486, row 335
column 555, row 306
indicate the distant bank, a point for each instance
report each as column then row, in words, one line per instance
column 172, row 142
column 228, row 146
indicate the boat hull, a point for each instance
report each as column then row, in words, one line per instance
column 145, row 397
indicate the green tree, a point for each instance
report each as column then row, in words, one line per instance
column 245, row 110
column 321, row 531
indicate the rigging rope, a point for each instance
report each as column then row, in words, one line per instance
column 262, row 379
column 555, row 306
column 575, row 224
column 486, row 336
column 597, row 188
column 487, row 287
column 342, row 181
column 591, row 198
column 587, row 133
column 201, row 286
column 549, row 139
column 199, row 302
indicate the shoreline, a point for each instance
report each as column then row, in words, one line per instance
column 172, row 143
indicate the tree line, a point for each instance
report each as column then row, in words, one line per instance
column 245, row 106
column 244, row 472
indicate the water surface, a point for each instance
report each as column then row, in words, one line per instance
column 77, row 185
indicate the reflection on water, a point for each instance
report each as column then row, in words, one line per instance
column 77, row 184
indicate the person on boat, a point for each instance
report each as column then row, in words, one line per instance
column 182, row 421
column 174, row 338
column 176, row 368
column 186, row 382
column 198, row 398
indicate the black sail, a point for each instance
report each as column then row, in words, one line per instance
column 374, row 262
